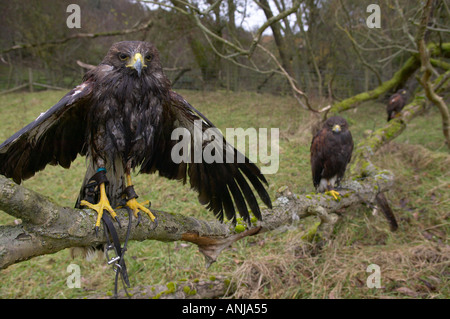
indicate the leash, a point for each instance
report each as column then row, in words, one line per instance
column 112, row 238
column 117, row 261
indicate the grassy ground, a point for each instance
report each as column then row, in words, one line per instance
column 414, row 261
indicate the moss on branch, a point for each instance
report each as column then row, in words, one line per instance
column 398, row 80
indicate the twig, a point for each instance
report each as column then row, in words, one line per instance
column 428, row 71
column 142, row 27
column 295, row 89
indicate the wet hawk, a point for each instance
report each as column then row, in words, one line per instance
column 121, row 117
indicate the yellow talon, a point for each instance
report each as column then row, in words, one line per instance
column 335, row 194
column 136, row 207
column 101, row 205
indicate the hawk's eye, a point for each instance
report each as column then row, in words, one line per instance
column 123, row 56
column 148, row 57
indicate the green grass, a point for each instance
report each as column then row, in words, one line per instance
column 414, row 261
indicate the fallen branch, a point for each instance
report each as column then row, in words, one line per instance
column 51, row 87
column 17, row 88
column 47, row 227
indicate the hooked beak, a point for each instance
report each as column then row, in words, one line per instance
column 137, row 63
column 336, row 128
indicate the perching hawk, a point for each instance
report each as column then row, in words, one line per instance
column 122, row 117
column 331, row 151
column 396, row 104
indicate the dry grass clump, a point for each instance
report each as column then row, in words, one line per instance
column 300, row 270
column 417, row 156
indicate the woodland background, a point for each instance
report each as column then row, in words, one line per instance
column 266, row 63
column 325, row 46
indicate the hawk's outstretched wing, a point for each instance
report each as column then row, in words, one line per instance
column 221, row 186
column 56, row 137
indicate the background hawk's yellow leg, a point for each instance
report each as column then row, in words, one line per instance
column 135, row 205
column 333, row 193
column 101, row 205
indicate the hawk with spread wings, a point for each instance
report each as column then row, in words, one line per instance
column 121, row 117
column 331, row 151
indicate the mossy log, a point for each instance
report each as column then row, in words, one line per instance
column 361, row 165
column 397, row 81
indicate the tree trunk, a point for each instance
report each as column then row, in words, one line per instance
column 283, row 50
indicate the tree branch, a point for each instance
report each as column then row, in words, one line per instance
column 47, row 228
column 296, row 91
column 237, row 50
column 399, row 78
column 428, row 71
column 141, row 27
column 355, row 47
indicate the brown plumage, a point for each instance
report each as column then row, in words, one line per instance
column 396, row 104
column 331, row 151
column 122, row 117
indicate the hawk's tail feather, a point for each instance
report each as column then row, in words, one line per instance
column 90, row 253
column 387, row 211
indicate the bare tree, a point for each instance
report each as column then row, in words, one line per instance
column 416, row 25
column 428, row 71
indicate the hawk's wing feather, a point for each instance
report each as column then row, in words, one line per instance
column 54, row 137
column 221, row 186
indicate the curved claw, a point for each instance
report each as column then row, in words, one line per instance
column 139, row 219
column 102, row 205
column 155, row 222
column 136, row 207
column 99, row 208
